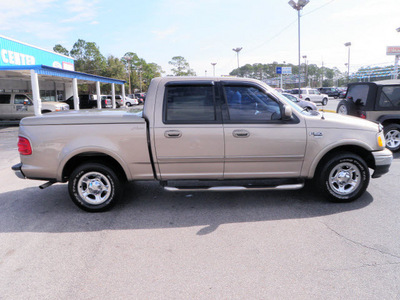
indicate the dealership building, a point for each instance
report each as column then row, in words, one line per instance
column 46, row 75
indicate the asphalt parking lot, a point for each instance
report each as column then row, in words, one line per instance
column 162, row 245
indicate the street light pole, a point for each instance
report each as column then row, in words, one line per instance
column 128, row 59
column 348, row 44
column 298, row 6
column 305, row 70
column 213, row 64
column 396, row 61
column 237, row 50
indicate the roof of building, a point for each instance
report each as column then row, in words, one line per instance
column 9, row 72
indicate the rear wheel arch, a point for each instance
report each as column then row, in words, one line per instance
column 92, row 157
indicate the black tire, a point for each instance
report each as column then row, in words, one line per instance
column 105, row 185
column 324, row 101
column 392, row 137
column 46, row 111
column 307, row 99
column 128, row 104
column 117, row 105
column 343, row 108
column 344, row 177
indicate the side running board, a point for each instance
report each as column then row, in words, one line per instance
column 296, row 186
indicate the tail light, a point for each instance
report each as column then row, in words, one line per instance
column 24, row 146
column 300, row 96
column 362, row 114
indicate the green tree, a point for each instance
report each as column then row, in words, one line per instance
column 88, row 57
column 60, row 49
column 181, row 67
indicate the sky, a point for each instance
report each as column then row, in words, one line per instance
column 206, row 31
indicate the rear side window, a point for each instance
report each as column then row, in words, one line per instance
column 249, row 104
column 5, row 99
column 390, row 97
column 358, row 94
column 21, row 99
column 189, row 104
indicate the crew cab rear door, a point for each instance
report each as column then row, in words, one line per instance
column 258, row 143
column 188, row 138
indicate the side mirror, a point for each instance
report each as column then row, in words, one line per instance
column 287, row 112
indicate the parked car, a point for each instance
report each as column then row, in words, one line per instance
column 19, row 105
column 342, row 92
column 88, row 101
column 131, row 101
column 330, row 91
column 141, row 97
column 376, row 101
column 311, row 95
column 118, row 101
column 308, row 105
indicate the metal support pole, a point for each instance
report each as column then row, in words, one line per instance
column 396, row 66
column 98, row 94
column 123, row 94
column 348, row 65
column 37, row 102
column 75, row 93
column 113, row 95
column 298, row 14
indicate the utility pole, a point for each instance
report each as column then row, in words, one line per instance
column 237, row 50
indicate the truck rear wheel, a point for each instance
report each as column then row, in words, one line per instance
column 344, row 177
column 94, row 187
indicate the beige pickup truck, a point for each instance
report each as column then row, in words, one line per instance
column 196, row 134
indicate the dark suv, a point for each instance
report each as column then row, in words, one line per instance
column 330, row 91
column 376, row 101
column 88, row 101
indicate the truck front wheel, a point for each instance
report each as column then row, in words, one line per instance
column 344, row 177
column 94, row 187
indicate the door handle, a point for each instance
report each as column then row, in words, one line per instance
column 173, row 134
column 241, row 133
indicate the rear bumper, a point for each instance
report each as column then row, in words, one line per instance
column 383, row 160
column 17, row 170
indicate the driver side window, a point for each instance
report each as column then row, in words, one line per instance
column 249, row 104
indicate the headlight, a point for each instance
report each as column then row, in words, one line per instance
column 381, row 139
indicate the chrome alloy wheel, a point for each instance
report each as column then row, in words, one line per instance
column 94, row 188
column 342, row 110
column 345, row 178
column 392, row 138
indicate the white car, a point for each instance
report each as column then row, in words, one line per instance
column 129, row 101
column 19, row 105
column 308, row 105
column 311, row 95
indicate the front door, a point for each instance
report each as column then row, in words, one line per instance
column 22, row 106
column 258, row 143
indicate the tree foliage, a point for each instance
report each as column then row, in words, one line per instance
column 316, row 76
column 60, row 49
column 181, row 67
column 88, row 59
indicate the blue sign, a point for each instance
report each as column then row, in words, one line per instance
column 284, row 70
column 15, row 53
